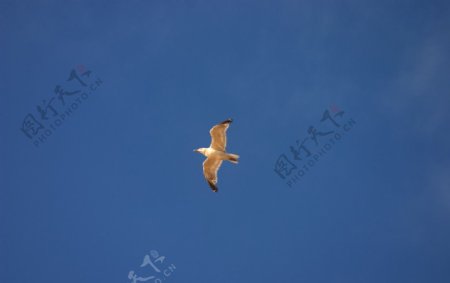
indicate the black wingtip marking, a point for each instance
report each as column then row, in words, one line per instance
column 213, row 187
column 227, row 121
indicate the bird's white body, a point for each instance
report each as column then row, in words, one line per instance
column 211, row 152
column 214, row 153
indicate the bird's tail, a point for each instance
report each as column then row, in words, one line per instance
column 233, row 158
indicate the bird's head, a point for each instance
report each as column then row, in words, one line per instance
column 200, row 150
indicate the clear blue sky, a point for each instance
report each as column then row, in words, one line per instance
column 118, row 177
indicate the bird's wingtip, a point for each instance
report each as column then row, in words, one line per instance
column 212, row 186
column 227, row 121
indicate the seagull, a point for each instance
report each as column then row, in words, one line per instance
column 216, row 153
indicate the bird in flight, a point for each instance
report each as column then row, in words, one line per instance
column 216, row 153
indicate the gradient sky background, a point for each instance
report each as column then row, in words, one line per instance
column 118, row 178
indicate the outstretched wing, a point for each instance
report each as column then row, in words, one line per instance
column 219, row 135
column 210, row 168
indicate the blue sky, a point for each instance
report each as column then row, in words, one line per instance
column 118, row 178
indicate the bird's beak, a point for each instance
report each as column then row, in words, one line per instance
column 195, row 150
